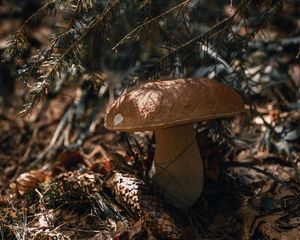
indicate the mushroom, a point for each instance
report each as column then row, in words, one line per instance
column 169, row 108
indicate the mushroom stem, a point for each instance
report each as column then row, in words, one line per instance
column 178, row 163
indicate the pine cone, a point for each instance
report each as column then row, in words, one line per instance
column 133, row 194
column 69, row 187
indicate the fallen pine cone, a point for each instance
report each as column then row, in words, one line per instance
column 133, row 194
column 69, row 187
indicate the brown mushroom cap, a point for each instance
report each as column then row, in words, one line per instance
column 162, row 104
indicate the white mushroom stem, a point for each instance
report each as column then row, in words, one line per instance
column 178, row 164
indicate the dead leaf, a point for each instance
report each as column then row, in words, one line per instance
column 28, row 181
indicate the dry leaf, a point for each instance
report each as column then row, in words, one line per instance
column 28, row 181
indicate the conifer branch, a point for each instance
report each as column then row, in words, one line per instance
column 148, row 22
column 39, row 11
column 91, row 29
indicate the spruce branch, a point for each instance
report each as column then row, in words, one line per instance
column 18, row 44
column 37, row 13
column 184, row 50
column 88, row 39
column 222, row 30
column 36, row 94
column 135, row 32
